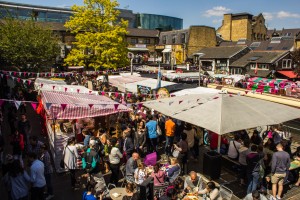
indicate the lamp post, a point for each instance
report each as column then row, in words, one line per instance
column 130, row 56
column 200, row 65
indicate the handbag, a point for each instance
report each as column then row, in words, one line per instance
column 158, row 130
column 175, row 153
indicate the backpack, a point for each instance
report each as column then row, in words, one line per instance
column 89, row 160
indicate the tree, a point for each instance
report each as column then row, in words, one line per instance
column 100, row 36
column 24, row 42
column 296, row 60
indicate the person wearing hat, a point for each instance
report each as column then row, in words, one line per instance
column 90, row 159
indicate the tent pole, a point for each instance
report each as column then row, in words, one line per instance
column 219, row 143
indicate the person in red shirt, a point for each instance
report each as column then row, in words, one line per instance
column 214, row 142
column 170, row 132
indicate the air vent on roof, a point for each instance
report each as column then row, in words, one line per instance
column 254, row 58
column 255, row 44
column 275, row 40
column 242, row 41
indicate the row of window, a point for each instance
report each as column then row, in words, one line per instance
column 140, row 41
column 174, row 37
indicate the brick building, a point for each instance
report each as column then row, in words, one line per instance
column 243, row 26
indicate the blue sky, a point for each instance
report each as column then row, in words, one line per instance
column 278, row 13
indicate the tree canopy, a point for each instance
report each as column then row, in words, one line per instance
column 100, row 35
column 296, row 59
column 24, row 42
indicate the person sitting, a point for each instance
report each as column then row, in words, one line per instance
column 131, row 165
column 158, row 175
column 169, row 195
column 255, row 195
column 297, row 160
column 140, row 173
column 193, row 182
column 89, row 193
column 211, row 192
column 173, row 170
column 130, row 194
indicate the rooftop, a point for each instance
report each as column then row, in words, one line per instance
column 221, row 52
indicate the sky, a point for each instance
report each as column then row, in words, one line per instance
column 278, row 13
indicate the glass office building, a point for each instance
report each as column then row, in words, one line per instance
column 161, row 22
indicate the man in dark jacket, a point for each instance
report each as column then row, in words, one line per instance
column 128, row 145
column 253, row 168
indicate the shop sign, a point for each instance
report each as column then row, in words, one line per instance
column 141, row 89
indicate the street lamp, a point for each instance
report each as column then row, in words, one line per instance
column 200, row 64
column 131, row 56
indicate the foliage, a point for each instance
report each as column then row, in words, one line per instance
column 24, row 42
column 100, row 36
column 296, row 60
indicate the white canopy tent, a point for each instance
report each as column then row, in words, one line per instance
column 152, row 83
column 197, row 90
column 222, row 113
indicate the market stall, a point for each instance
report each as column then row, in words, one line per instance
column 198, row 90
column 62, row 109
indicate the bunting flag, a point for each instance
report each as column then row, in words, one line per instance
column 15, row 73
column 34, row 106
column 20, row 73
column 90, row 92
column 29, row 81
column 48, row 105
column 180, row 101
column 239, row 94
column 116, row 106
column 42, row 85
column 78, row 90
column 172, row 95
column 63, row 106
column 129, row 95
column 109, row 94
column 102, row 93
column 116, row 94
column 53, row 87
column 1, row 102
column 1, row 75
column 24, row 81
column 171, row 102
column 66, row 89
column 246, row 92
column 91, row 105
column 18, row 80
column 17, row 104
column 140, row 105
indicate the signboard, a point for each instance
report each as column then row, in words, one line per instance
column 143, row 89
column 163, row 93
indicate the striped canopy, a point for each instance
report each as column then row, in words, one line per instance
column 63, row 105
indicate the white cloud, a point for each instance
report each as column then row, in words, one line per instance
column 216, row 11
column 268, row 16
column 284, row 14
column 216, row 21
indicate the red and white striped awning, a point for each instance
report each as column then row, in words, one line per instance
column 63, row 105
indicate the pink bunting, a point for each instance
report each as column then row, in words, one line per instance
column 90, row 92
column 34, row 106
column 172, row 95
column 63, row 106
column 156, row 95
column 29, row 81
column 42, row 85
column 15, row 73
column 66, row 89
column 91, row 105
column 246, row 92
column 116, row 94
column 48, row 105
column 140, row 105
column 129, row 95
column 53, row 87
column 261, row 92
column 1, row 102
column 24, row 73
column 78, row 90
column 18, row 79
column 102, row 93
column 116, row 106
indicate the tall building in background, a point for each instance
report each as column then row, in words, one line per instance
column 243, row 26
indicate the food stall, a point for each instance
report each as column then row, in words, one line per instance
column 64, row 110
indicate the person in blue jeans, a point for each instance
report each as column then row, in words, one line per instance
column 253, row 168
column 151, row 127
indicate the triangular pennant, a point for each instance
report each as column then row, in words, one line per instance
column 29, row 81
column 102, row 93
column 9, row 73
column 180, row 101
column 91, row 105
column 246, row 92
column 129, row 95
column 170, row 103
column 29, row 73
column 122, row 95
column 53, row 87
column 13, row 78
column 78, row 90
column 15, row 73
column 1, row 102
column 37, row 74
column 172, row 95
column 42, row 85
column 20, row 73
column 48, row 105
column 34, row 105
column 1, row 75
column 90, row 92
column 109, row 94
column 24, row 81
column 116, row 106
column 66, row 89
column 18, row 80
column 17, row 104
column 24, row 73
column 116, row 94
column 140, row 105
column 63, row 106
column 239, row 94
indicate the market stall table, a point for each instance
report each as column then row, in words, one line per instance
column 117, row 193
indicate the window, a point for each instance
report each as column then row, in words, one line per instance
column 236, row 71
column 164, row 40
column 252, row 65
column 242, row 41
column 173, row 39
column 133, row 40
column 183, row 38
column 147, row 41
column 275, row 40
column 288, row 34
column 287, row 63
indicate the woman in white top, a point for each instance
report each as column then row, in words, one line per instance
column 211, row 192
column 140, row 174
column 114, row 156
column 70, row 159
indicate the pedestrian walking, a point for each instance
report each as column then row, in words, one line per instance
column 45, row 158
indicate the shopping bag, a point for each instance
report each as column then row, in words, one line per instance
column 150, row 159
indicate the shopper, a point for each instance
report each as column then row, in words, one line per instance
column 45, row 158
column 114, row 160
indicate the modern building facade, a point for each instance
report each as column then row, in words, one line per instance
column 61, row 15
column 243, row 26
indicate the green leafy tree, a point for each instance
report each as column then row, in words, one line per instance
column 100, row 36
column 296, row 60
column 24, row 42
